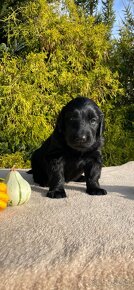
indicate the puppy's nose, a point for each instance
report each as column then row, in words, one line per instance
column 81, row 139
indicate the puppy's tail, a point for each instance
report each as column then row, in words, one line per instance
column 30, row 171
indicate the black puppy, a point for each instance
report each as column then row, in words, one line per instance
column 72, row 149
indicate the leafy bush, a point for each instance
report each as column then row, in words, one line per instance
column 17, row 159
column 49, row 58
column 118, row 147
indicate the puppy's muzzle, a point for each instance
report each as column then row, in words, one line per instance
column 80, row 140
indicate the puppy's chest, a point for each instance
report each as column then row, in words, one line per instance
column 73, row 167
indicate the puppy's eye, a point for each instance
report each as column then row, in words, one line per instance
column 93, row 121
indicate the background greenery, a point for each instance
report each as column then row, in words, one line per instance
column 52, row 52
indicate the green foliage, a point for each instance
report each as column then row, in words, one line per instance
column 17, row 159
column 118, row 138
column 89, row 6
column 47, row 58
column 108, row 14
column 123, row 59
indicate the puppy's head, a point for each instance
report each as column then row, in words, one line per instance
column 81, row 123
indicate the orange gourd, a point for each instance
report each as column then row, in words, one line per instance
column 3, row 195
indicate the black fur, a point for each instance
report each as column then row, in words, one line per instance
column 73, row 148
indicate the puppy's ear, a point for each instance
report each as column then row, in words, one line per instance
column 59, row 123
column 101, row 126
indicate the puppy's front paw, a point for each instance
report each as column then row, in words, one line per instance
column 59, row 193
column 96, row 191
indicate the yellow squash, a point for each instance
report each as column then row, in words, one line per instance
column 3, row 195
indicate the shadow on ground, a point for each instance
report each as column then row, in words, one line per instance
column 124, row 191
